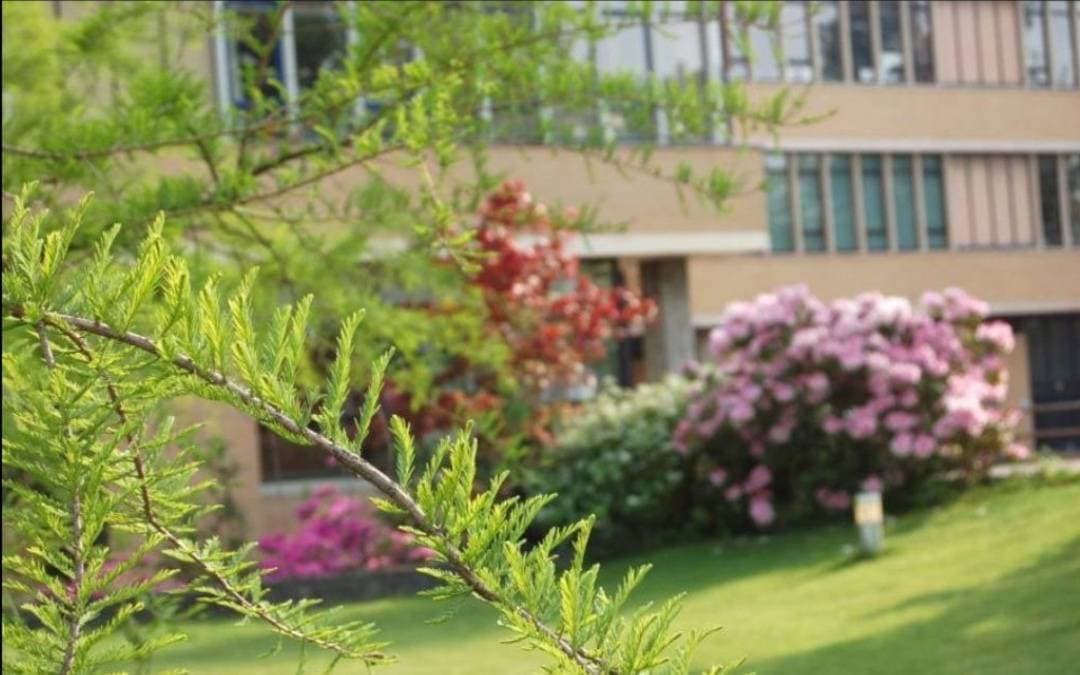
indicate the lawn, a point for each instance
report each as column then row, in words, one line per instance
column 987, row 584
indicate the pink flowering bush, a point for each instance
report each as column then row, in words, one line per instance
column 336, row 534
column 808, row 402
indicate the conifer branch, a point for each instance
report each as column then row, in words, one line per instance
column 254, row 609
column 356, row 464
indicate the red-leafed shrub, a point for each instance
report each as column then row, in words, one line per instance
column 554, row 318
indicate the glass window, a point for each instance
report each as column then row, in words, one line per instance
column 780, row 232
column 677, row 56
column 861, row 48
column 877, row 236
column 813, row 216
column 765, row 65
column 1038, row 70
column 891, row 58
column 676, row 48
column 934, row 194
column 622, row 54
column 320, row 40
column 827, row 24
column 1061, row 43
column 1048, row 195
column 843, row 203
column 1072, row 168
column 254, row 55
column 922, row 41
column 796, row 42
column 753, row 46
column 907, row 237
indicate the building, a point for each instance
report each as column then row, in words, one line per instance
column 951, row 158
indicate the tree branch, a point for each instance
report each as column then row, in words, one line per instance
column 356, row 464
column 181, row 544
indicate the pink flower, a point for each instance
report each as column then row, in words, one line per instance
column 761, row 510
column 872, row 483
column 781, row 433
column 905, row 373
column 1018, row 452
column 997, row 334
column 759, row 478
column 833, row 500
column 741, row 411
column 861, row 423
column 924, row 445
column 733, row 493
column 817, row 386
column 783, row 392
column 832, row 424
column 902, row 444
column 717, row 476
column 900, row 421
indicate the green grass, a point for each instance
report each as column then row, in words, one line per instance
column 987, row 584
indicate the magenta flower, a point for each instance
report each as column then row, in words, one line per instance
column 761, row 510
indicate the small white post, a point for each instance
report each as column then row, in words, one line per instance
column 870, row 519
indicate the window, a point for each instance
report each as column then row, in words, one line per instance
column 267, row 38
column 282, row 460
column 1049, row 199
column 922, row 43
column 1038, row 70
column 793, row 27
column 1062, row 33
column 1051, row 46
column 862, row 51
column 678, row 57
column 891, row 56
column 624, row 53
column 248, row 63
column 827, row 23
column 914, row 184
column 320, row 40
column 843, row 203
column 1054, row 362
column 873, row 185
column 903, row 189
column 779, row 200
column 934, row 196
column 810, row 206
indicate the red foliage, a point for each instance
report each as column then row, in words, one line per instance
column 554, row 318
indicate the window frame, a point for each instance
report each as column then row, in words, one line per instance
column 794, row 174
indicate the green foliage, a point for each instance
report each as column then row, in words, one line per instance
column 311, row 190
column 614, row 459
column 81, row 386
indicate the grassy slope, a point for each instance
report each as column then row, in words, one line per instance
column 989, row 584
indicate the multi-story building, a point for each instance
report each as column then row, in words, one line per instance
column 951, row 157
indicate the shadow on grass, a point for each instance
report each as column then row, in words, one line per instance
column 1024, row 622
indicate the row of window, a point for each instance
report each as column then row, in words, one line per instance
column 847, row 202
column 885, row 41
column 904, row 202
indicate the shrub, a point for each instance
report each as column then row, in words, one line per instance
column 616, row 459
column 336, row 534
column 814, row 401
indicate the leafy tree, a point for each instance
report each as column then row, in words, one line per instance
column 103, row 329
column 108, row 103
column 90, row 354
